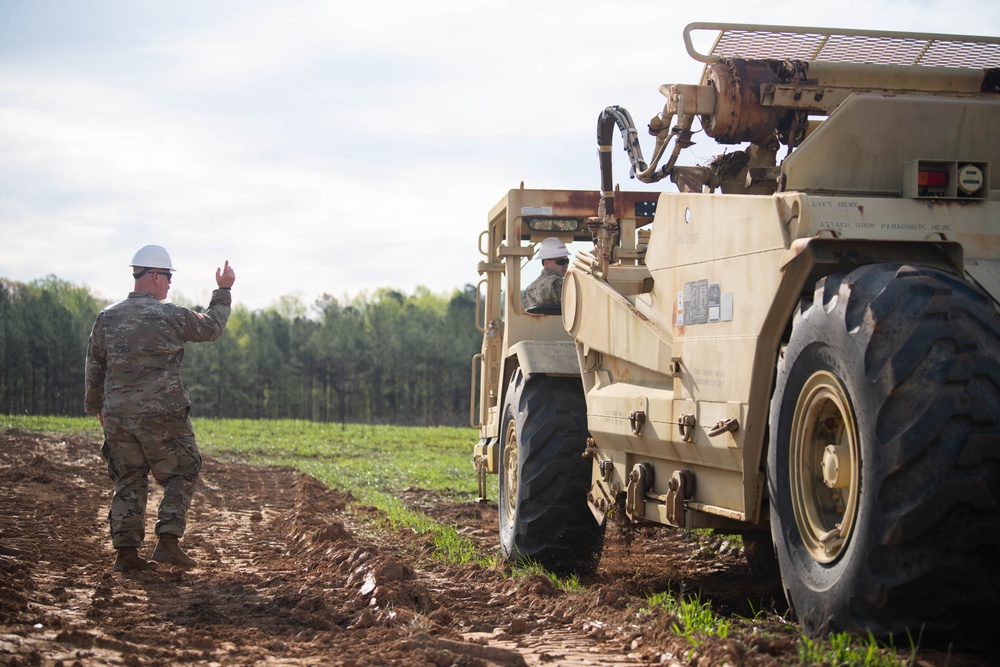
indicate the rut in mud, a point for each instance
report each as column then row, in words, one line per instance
column 293, row 573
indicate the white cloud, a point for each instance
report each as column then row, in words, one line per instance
column 326, row 147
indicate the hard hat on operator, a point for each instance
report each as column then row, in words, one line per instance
column 552, row 248
column 151, row 257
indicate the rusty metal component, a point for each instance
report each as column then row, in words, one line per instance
column 607, row 469
column 681, row 133
column 599, row 506
column 762, row 83
column 637, row 418
column 640, row 482
column 481, row 467
column 724, row 426
column 679, row 488
column 738, row 115
column 686, row 424
column 607, row 238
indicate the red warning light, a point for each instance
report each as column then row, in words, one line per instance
column 932, row 179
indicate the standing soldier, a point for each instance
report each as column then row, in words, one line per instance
column 134, row 387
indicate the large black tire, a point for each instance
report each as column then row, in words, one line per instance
column 544, row 477
column 889, row 388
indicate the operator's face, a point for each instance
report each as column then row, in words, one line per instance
column 555, row 267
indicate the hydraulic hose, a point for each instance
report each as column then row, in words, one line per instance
column 616, row 116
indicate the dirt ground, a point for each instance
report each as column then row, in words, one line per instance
column 293, row 573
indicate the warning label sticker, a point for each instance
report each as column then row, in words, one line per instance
column 714, row 302
column 702, row 302
column 696, row 302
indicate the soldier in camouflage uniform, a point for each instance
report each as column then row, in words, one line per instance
column 134, row 386
column 546, row 289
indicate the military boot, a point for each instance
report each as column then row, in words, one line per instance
column 129, row 561
column 168, row 551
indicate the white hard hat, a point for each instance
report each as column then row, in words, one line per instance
column 551, row 248
column 152, row 257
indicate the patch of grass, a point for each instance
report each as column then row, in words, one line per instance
column 494, row 562
column 455, row 548
column 359, row 457
column 756, row 614
column 695, row 619
column 88, row 426
column 570, row 584
column 847, row 650
column 528, row 567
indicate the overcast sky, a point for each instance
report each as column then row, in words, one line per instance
column 328, row 146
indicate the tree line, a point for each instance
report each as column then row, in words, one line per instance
column 388, row 357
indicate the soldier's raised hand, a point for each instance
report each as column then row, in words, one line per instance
column 225, row 277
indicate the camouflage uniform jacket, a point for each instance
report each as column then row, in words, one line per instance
column 136, row 350
column 545, row 290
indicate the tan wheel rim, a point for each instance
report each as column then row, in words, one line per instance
column 824, row 467
column 510, row 474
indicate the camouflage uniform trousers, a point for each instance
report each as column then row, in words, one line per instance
column 163, row 445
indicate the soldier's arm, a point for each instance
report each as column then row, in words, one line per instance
column 96, row 370
column 207, row 326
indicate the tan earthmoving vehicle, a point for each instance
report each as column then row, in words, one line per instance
column 532, row 415
column 802, row 345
